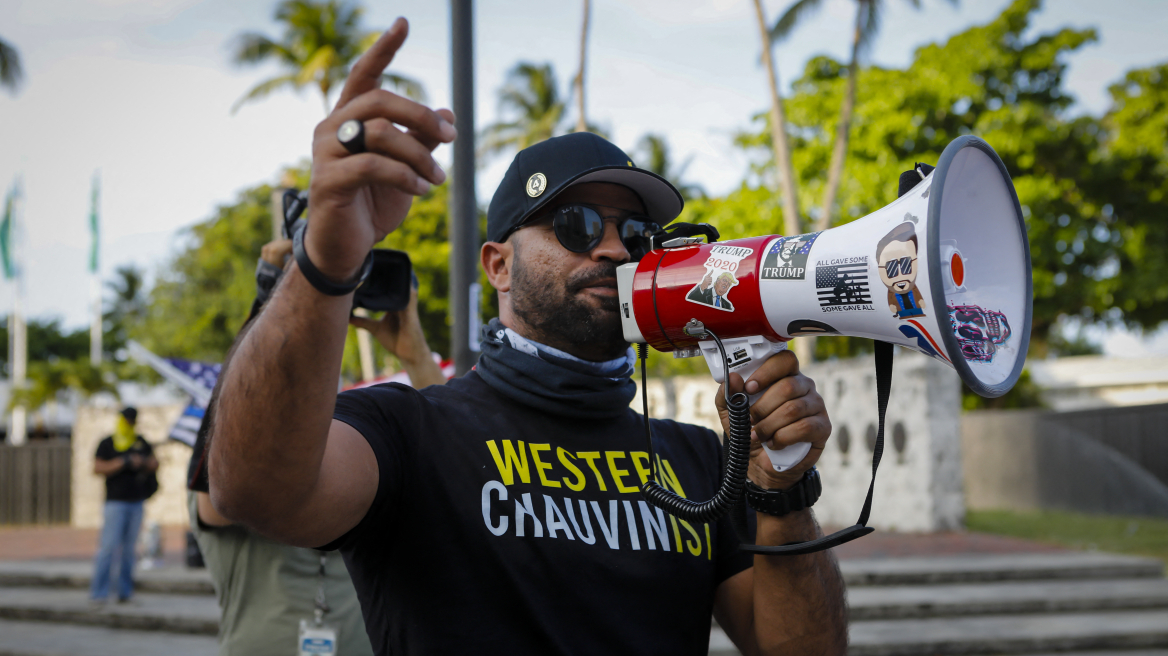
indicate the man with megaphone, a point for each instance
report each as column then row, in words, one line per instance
column 502, row 512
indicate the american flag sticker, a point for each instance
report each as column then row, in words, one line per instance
column 842, row 284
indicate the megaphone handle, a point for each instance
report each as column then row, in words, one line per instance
column 760, row 351
column 786, row 457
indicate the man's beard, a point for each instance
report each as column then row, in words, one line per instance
column 561, row 319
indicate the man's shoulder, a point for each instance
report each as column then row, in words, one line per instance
column 404, row 403
column 105, row 446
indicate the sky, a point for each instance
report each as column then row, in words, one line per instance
column 141, row 91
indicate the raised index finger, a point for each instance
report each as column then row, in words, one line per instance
column 366, row 73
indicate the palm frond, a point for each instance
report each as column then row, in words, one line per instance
column 407, row 86
column 11, row 71
column 317, row 65
column 255, row 48
column 264, row 88
column 792, row 17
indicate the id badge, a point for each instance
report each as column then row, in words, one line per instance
column 316, row 639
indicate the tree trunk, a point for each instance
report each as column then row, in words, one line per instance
column 839, row 152
column 581, row 119
column 804, row 347
column 782, row 152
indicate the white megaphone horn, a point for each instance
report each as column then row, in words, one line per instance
column 944, row 269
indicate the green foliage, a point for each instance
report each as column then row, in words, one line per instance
column 1142, row 536
column 1089, row 187
column 321, row 41
column 652, row 154
column 205, row 293
column 530, row 99
column 125, row 308
column 1024, row 394
column 202, row 298
column 424, row 235
column 48, row 379
column 47, row 341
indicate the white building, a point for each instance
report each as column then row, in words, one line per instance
column 1096, row 381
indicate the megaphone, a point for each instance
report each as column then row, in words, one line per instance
column 944, row 269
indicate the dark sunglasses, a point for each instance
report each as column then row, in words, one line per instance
column 900, row 266
column 580, row 229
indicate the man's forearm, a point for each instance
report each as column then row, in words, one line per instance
column 107, row 467
column 799, row 601
column 272, row 419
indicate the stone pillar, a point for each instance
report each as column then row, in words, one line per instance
column 919, row 487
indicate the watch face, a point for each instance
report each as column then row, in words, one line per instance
column 349, row 131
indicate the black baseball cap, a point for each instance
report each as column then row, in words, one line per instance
column 541, row 171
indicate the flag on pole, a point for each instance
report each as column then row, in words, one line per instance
column 94, row 224
column 195, row 378
column 6, row 227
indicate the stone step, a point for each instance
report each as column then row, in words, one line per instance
column 31, row 639
column 1125, row 652
column 1010, row 634
column 982, row 568
column 171, row 579
column 1001, row 598
column 147, row 611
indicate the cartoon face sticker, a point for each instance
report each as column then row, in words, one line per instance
column 896, row 257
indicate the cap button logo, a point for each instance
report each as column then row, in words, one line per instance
column 536, row 184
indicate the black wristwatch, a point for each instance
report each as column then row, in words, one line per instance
column 777, row 503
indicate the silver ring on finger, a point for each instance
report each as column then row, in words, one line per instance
column 351, row 134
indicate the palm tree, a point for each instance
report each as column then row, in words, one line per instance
column 126, row 308
column 867, row 24
column 531, row 99
column 581, row 119
column 779, row 144
column 11, row 72
column 653, row 155
column 321, row 41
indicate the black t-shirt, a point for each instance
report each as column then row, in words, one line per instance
column 127, row 484
column 498, row 528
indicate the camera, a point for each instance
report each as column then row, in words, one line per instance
column 387, row 289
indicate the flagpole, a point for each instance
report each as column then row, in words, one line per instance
column 95, row 274
column 18, row 339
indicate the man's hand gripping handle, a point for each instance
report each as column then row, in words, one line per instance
column 746, row 355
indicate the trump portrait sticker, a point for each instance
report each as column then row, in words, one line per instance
column 786, row 258
column 721, row 277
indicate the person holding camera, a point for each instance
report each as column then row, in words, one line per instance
column 266, row 588
column 501, row 513
column 128, row 464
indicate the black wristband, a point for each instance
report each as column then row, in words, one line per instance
column 318, row 279
column 777, row 503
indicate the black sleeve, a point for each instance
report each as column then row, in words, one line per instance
column 147, row 450
column 105, row 449
column 385, row 415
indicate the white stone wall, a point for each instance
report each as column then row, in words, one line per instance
column 168, row 505
column 919, row 487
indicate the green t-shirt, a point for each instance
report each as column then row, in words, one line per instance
column 265, row 588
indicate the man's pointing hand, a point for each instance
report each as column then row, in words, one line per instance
column 357, row 199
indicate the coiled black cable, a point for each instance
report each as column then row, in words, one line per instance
column 737, row 447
